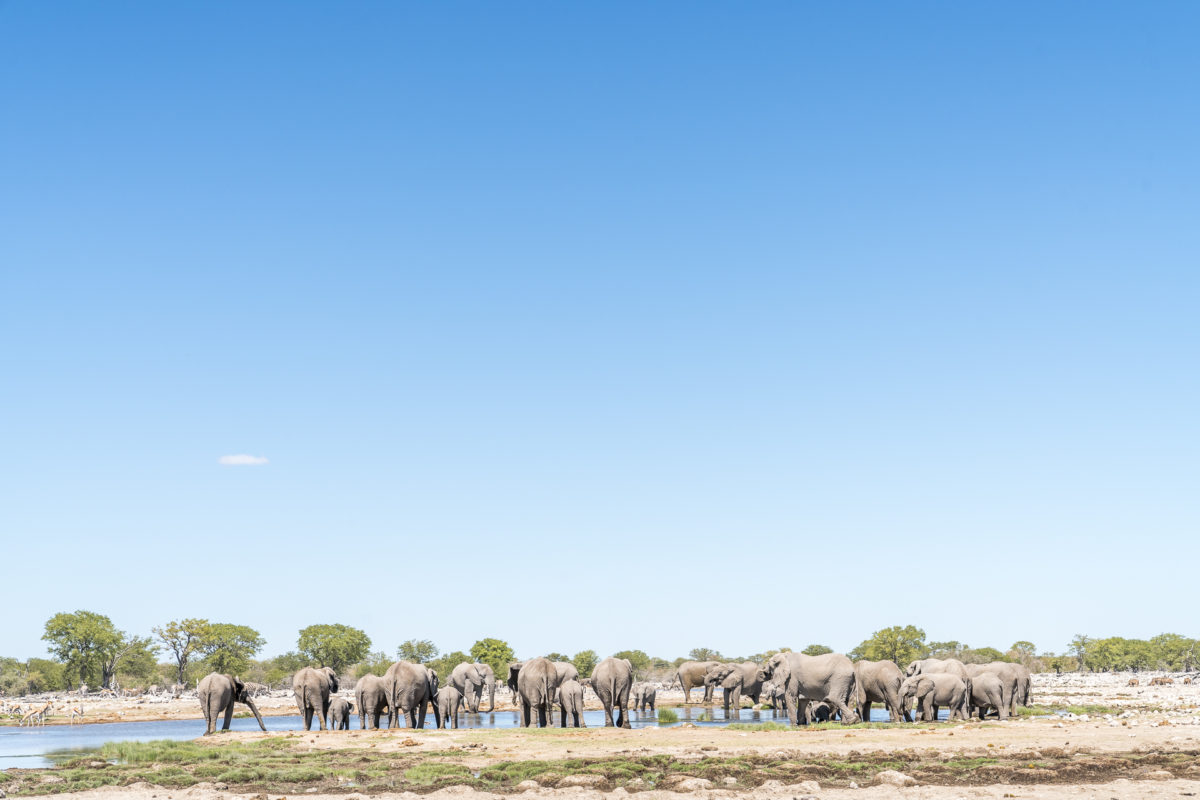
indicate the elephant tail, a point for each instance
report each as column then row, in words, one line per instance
column 856, row 691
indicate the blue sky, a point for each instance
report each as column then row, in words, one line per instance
column 613, row 326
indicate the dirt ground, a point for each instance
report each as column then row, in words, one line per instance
column 1120, row 742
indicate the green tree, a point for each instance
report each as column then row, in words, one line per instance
column 705, row 654
column 228, row 648
column 183, row 638
column 640, row 661
column 982, row 655
column 950, row 649
column 816, row 650
column 585, row 661
column 558, row 656
column 418, row 651
column 1173, row 652
column 374, row 664
column 901, row 644
column 444, row 665
column 496, row 654
column 335, row 646
column 1079, row 647
column 90, row 645
column 278, row 671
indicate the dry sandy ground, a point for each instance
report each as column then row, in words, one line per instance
column 1150, row 720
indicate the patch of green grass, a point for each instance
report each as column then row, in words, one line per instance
column 758, row 726
column 667, row 716
column 1042, row 711
column 432, row 772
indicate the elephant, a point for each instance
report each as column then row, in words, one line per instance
column 1010, row 682
column 339, row 713
column 811, row 679
column 535, row 681
column 514, row 671
column 690, row 674
column 371, row 699
column 566, row 671
column 819, row 712
column 729, row 677
column 570, row 703
column 879, row 682
column 409, row 688
column 950, row 666
column 988, row 691
column 312, row 687
column 773, row 693
column 611, row 680
column 1024, row 684
column 217, row 694
column 449, row 701
column 934, row 689
column 748, row 684
column 470, row 680
column 642, row 695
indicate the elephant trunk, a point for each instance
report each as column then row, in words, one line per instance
column 491, row 687
column 257, row 715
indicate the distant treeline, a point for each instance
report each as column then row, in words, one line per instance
column 87, row 648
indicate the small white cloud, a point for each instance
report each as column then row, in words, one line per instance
column 241, row 460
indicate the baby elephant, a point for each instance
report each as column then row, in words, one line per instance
column 339, row 713
column 933, row 690
column 642, row 696
column 570, row 702
column 449, row 701
column 986, row 693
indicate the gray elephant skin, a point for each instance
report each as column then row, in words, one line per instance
column 410, row 688
column 690, row 674
column 988, row 692
column 1009, row 676
column 449, row 702
column 339, row 713
column 570, row 703
column 313, row 687
column 536, row 681
column 931, row 690
column 736, row 680
column 611, row 681
column 642, row 696
column 948, row 666
column 370, row 696
column 828, row 678
column 470, row 679
column 879, row 682
column 217, row 694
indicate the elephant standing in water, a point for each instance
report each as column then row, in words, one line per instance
column 691, row 674
column 735, row 680
column 470, row 680
column 813, row 679
column 535, row 682
column 611, row 680
column 642, row 696
column 947, row 666
column 449, row 701
column 934, row 689
column 570, row 703
column 312, row 688
column 370, row 696
column 879, row 682
column 409, row 688
column 217, row 694
column 339, row 713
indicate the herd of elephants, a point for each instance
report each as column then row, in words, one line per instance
column 809, row 688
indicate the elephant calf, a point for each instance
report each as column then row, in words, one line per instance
column 449, row 701
column 987, row 692
column 932, row 690
column 642, row 696
column 339, row 713
column 570, row 702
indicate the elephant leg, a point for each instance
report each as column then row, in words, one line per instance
column 864, row 711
